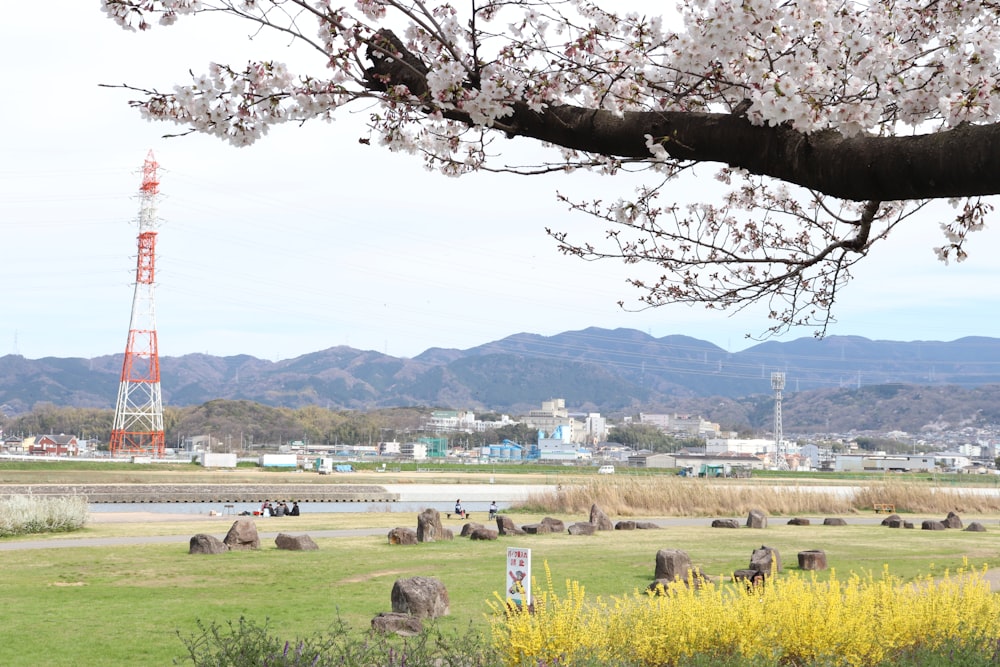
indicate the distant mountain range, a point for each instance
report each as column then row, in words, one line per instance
column 600, row 370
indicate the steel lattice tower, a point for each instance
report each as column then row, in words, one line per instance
column 138, row 426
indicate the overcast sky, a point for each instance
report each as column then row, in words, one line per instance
column 310, row 240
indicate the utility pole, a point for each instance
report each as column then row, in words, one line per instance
column 777, row 384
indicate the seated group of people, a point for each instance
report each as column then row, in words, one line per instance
column 460, row 511
column 279, row 509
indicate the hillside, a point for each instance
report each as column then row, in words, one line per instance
column 600, row 370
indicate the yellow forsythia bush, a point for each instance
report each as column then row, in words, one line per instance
column 793, row 619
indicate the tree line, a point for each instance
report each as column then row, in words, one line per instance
column 246, row 425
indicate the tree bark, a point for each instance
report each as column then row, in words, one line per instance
column 961, row 162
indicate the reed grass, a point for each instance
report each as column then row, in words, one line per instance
column 684, row 496
column 26, row 515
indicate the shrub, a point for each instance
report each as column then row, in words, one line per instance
column 793, row 620
column 247, row 644
column 24, row 515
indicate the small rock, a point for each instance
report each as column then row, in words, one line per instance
column 295, row 542
column 401, row 535
column 207, row 544
column 403, row 625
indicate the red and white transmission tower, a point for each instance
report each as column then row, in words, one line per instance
column 138, row 427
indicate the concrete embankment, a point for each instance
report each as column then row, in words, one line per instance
column 207, row 493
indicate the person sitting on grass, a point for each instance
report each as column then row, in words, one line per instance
column 459, row 510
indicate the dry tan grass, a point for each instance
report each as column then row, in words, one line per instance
column 910, row 497
column 677, row 496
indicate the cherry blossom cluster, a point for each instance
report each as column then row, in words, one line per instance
column 881, row 67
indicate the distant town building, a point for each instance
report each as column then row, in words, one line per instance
column 596, row 428
column 557, row 446
column 392, row 448
column 738, row 446
column 811, row 454
column 552, row 415
column 681, row 424
column 13, row 445
column 464, row 421
column 706, row 465
column 872, row 462
column 436, row 448
column 416, row 451
column 55, row 445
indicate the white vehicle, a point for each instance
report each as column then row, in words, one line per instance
column 606, row 470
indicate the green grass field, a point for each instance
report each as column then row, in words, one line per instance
column 124, row 605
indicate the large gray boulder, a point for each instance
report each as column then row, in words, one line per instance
column 672, row 565
column 952, row 521
column 582, row 528
column 553, row 525
column 469, row 527
column 295, row 542
column 483, row 533
column 242, row 536
column 429, row 528
column 812, row 559
column 929, row 524
column 756, row 519
column 423, row 597
column 207, row 544
column 544, row 527
column 763, row 558
column 600, row 519
column 506, row 526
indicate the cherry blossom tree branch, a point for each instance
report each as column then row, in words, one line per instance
column 832, row 122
